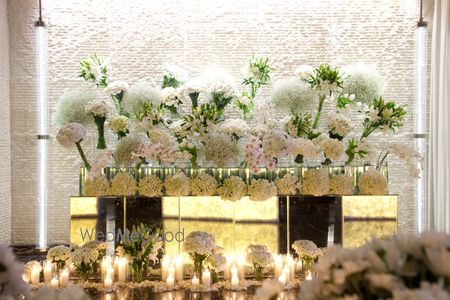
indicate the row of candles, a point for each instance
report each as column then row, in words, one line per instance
column 50, row 276
column 114, row 269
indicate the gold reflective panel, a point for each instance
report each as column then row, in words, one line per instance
column 83, row 206
column 363, row 207
column 89, row 224
column 357, row 233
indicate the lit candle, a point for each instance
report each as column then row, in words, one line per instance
column 282, row 279
column 171, row 271
column 110, row 272
column 25, row 278
column 278, row 265
column 170, row 281
column 179, row 263
column 291, row 263
column 234, row 277
column 195, row 281
column 116, row 264
column 228, row 265
column 35, row 275
column 47, row 272
column 287, row 272
column 64, row 278
column 241, row 267
column 206, row 278
column 122, row 270
column 308, row 275
column 106, row 263
column 108, row 282
column 299, row 265
column 54, row 283
column 165, row 267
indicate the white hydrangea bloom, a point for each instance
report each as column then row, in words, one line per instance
column 304, row 147
column 287, row 185
column 204, row 185
column 261, row 190
column 372, row 182
column 306, row 249
column 59, row 253
column 293, row 95
column 233, row 188
column 151, row 186
column 177, row 185
column 123, row 184
column 276, row 143
column 118, row 124
column 70, row 134
column 339, row 125
column 258, row 255
column 199, row 242
column 96, row 187
column 236, row 127
column 99, row 108
column 116, row 87
column 342, row 185
column 316, row 182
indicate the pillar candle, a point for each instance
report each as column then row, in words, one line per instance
column 106, row 263
column 165, row 263
column 308, row 275
column 108, row 282
column 234, row 277
column 228, row 265
column 241, row 267
column 26, row 278
column 291, row 263
column 170, row 281
column 282, row 279
column 287, row 272
column 54, row 283
column 278, row 265
column 64, row 278
column 195, row 281
column 35, row 276
column 122, row 270
column 47, row 272
column 179, row 264
column 206, row 278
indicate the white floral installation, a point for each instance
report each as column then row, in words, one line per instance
column 316, row 182
column 287, row 185
column 342, row 184
column 96, row 187
column 204, row 185
column 151, row 186
column 177, row 184
column 59, row 255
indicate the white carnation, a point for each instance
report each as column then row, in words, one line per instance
column 70, row 134
column 236, row 127
column 117, row 87
column 339, row 125
column 118, row 124
column 372, row 182
column 304, row 147
column 276, row 144
column 333, row 149
column 99, row 108
column 261, row 190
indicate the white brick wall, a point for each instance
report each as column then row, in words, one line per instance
column 139, row 36
column 5, row 137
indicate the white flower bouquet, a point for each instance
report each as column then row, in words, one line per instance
column 59, row 255
column 200, row 245
column 259, row 256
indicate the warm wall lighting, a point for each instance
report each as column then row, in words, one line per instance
column 42, row 133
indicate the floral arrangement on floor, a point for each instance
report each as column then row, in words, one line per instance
column 191, row 120
column 141, row 249
column 200, row 245
column 259, row 257
column 308, row 252
column 402, row 267
column 85, row 258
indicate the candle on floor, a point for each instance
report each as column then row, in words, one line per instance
column 291, row 263
column 278, row 262
column 241, row 267
column 165, row 263
column 47, row 272
column 54, row 283
column 206, row 278
column 308, row 275
column 108, row 282
column 171, row 271
column 116, row 264
column 64, row 278
column 35, row 275
column 106, row 263
column 287, row 272
column 282, row 279
column 26, row 278
column 299, row 265
column 195, row 281
column 122, row 270
column 234, row 277
column 179, row 264
column 170, row 281
column 228, row 265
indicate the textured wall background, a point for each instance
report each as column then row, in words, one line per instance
column 139, row 36
column 5, row 137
